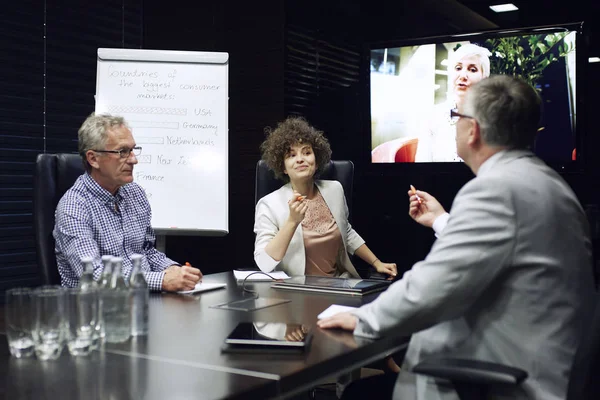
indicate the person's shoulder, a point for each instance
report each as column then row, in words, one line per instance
column 78, row 194
column 330, row 184
column 514, row 175
column 75, row 202
column 279, row 196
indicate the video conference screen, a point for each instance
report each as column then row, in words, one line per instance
column 414, row 87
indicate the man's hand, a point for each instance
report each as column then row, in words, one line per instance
column 181, row 278
column 423, row 207
column 345, row 321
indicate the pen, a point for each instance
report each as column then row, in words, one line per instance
column 414, row 191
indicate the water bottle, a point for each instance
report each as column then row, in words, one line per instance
column 117, row 281
column 106, row 271
column 138, row 287
column 86, row 285
column 103, row 285
column 87, row 281
column 117, row 309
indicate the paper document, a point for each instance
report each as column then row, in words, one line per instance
column 204, row 287
column 334, row 309
column 241, row 275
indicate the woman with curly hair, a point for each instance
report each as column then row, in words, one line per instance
column 302, row 228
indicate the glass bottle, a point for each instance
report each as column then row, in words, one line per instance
column 138, row 287
column 103, row 285
column 106, row 271
column 87, row 276
column 88, row 287
column 117, row 308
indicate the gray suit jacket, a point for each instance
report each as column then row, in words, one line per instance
column 508, row 280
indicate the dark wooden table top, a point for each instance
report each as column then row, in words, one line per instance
column 103, row 375
column 183, row 350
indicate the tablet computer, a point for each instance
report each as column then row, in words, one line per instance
column 325, row 284
column 270, row 334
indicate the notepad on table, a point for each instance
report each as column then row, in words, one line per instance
column 204, row 287
column 259, row 276
column 334, row 309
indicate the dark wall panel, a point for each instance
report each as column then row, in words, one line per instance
column 252, row 34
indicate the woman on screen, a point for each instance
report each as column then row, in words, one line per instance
column 302, row 228
column 467, row 65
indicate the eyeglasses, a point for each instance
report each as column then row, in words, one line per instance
column 123, row 153
column 455, row 116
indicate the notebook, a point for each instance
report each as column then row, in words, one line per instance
column 204, row 287
column 259, row 276
column 322, row 284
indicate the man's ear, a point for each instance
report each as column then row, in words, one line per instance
column 92, row 158
column 474, row 137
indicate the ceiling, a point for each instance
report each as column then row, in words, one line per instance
column 531, row 13
column 532, row 10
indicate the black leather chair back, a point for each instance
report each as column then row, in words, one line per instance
column 583, row 381
column 54, row 175
column 341, row 171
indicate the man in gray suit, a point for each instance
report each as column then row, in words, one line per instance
column 509, row 278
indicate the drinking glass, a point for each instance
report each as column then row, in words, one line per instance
column 82, row 317
column 19, row 320
column 50, row 324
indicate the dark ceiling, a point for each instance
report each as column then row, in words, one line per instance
column 381, row 20
column 542, row 12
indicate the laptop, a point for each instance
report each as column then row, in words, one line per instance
column 270, row 335
column 324, row 284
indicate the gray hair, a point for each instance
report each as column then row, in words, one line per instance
column 94, row 132
column 470, row 49
column 507, row 109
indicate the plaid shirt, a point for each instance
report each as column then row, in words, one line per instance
column 91, row 222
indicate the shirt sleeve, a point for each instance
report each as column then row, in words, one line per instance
column 74, row 240
column 477, row 244
column 265, row 228
column 157, row 260
column 154, row 279
column 440, row 224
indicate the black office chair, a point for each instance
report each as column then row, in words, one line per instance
column 341, row 171
column 474, row 379
column 54, row 175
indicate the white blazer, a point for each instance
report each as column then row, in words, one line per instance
column 272, row 212
column 509, row 280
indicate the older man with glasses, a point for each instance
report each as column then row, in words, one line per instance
column 106, row 213
column 509, row 279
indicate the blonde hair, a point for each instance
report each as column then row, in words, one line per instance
column 470, row 49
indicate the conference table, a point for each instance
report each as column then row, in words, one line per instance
column 181, row 356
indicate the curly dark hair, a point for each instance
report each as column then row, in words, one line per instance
column 291, row 131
